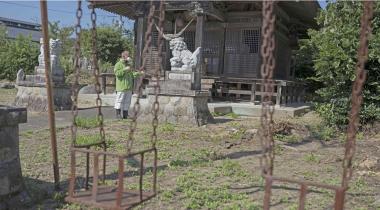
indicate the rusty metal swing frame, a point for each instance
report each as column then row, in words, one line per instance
column 110, row 197
column 267, row 141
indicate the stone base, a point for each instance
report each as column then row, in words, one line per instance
column 12, row 192
column 176, row 109
column 179, row 75
column 57, row 74
column 34, row 97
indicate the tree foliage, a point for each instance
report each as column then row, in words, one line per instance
column 110, row 43
column 334, row 52
column 15, row 54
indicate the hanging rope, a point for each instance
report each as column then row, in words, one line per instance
column 357, row 98
column 147, row 49
column 77, row 67
column 267, row 68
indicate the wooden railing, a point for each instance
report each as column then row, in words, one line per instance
column 285, row 92
column 104, row 83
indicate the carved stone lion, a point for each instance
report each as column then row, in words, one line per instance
column 182, row 58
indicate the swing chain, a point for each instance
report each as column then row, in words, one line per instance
column 77, row 67
column 136, row 106
column 357, row 98
column 156, row 105
column 267, row 68
column 96, row 73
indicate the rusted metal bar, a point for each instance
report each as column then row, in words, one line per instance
column 303, row 192
column 81, row 150
column 357, row 87
column 155, row 172
column 268, row 189
column 104, row 163
column 72, row 175
column 141, row 176
column 53, row 137
column 339, row 198
column 308, row 183
column 120, row 187
column 87, row 169
column 95, row 178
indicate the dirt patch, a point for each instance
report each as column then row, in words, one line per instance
column 199, row 169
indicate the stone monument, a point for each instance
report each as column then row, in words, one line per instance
column 32, row 88
column 179, row 102
column 12, row 190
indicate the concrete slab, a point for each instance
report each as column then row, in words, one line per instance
column 250, row 109
column 239, row 108
column 88, row 100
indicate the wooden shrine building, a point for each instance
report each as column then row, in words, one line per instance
column 230, row 37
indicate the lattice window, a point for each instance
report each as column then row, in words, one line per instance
column 232, row 41
column 212, row 42
column 155, row 41
column 251, row 40
column 189, row 38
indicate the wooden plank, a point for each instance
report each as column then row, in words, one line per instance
column 278, row 97
column 238, row 88
column 253, row 92
column 198, row 43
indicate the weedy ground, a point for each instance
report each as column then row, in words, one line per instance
column 214, row 166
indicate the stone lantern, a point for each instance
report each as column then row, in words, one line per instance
column 12, row 192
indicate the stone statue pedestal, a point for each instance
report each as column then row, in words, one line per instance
column 33, row 96
column 12, row 189
column 57, row 74
column 178, row 102
column 32, row 91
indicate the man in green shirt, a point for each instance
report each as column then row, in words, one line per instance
column 124, row 84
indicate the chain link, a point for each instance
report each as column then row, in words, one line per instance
column 96, row 73
column 357, row 98
column 77, row 67
column 156, row 105
column 147, row 49
column 267, row 67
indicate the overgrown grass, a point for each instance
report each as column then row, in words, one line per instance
column 167, row 127
column 291, row 139
column 87, row 139
column 323, row 132
column 219, row 114
column 199, row 194
column 83, row 122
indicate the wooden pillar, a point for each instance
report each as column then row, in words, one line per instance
column 139, row 45
column 279, row 92
column 253, row 92
column 198, row 43
column 139, row 41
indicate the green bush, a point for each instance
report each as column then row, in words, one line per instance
column 20, row 53
column 333, row 48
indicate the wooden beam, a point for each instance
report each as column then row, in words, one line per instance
column 215, row 13
column 198, row 43
column 139, row 41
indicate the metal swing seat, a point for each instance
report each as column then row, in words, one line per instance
column 95, row 193
column 267, row 142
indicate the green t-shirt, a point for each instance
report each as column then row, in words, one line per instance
column 124, row 76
